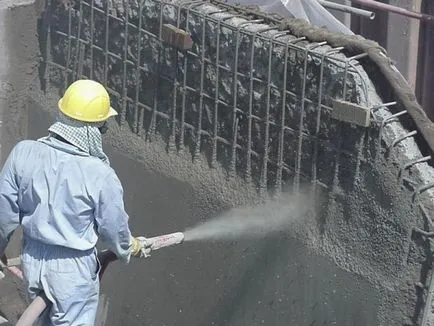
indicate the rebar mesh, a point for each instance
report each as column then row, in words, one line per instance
column 259, row 119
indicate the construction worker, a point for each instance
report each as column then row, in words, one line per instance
column 63, row 192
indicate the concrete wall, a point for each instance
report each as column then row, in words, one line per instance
column 18, row 65
column 366, row 218
column 354, row 262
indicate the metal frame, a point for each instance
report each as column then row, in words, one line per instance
column 176, row 118
column 178, row 124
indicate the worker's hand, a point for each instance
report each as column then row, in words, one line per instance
column 140, row 247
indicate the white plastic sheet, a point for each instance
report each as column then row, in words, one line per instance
column 309, row 10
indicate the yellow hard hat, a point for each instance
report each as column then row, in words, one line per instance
column 86, row 100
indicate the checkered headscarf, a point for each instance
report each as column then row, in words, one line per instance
column 84, row 135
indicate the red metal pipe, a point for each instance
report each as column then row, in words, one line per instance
column 395, row 9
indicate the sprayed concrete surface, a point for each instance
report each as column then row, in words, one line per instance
column 355, row 262
column 18, row 52
column 273, row 281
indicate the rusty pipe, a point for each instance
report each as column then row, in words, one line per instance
column 348, row 9
column 395, row 9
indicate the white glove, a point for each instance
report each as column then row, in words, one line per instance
column 140, row 247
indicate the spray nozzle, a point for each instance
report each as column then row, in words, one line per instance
column 165, row 240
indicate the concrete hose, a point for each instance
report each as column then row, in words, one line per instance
column 33, row 311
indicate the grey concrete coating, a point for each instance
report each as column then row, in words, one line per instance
column 355, row 263
column 248, row 283
column 18, row 50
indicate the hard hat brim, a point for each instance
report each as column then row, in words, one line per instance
column 112, row 112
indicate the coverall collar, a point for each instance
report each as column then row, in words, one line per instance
column 62, row 146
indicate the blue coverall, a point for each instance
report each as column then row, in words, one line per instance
column 64, row 200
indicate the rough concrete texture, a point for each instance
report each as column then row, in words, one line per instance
column 356, row 261
column 18, row 50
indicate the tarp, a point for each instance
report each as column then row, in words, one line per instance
column 309, row 10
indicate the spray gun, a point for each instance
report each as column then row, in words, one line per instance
column 105, row 257
column 166, row 240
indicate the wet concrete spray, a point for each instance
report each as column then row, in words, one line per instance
column 275, row 216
